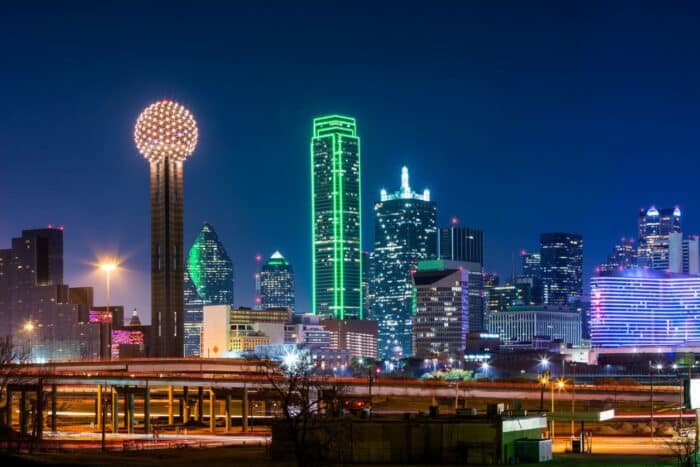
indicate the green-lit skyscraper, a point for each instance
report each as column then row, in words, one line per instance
column 335, row 217
column 208, row 281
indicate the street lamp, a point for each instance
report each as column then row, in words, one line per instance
column 108, row 267
column 29, row 327
column 485, row 368
column 658, row 367
column 560, row 384
column 544, row 380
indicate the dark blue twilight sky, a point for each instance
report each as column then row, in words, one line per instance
column 520, row 117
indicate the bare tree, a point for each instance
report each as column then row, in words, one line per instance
column 311, row 406
column 11, row 358
column 683, row 445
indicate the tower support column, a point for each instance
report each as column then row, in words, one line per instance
column 244, row 410
column 212, row 411
column 147, row 411
column 53, row 408
column 170, row 405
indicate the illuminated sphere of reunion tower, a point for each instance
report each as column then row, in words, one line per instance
column 166, row 134
column 166, row 129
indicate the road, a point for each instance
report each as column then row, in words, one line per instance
column 621, row 445
column 87, row 440
column 509, row 394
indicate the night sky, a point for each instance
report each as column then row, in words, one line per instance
column 520, row 118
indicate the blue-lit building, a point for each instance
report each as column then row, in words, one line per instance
column 277, row 283
column 208, row 281
column 561, row 267
column 405, row 232
column 655, row 227
column 640, row 308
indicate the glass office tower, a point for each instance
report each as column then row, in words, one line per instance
column 405, row 232
column 335, row 218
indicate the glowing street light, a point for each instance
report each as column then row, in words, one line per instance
column 108, row 268
column 485, row 368
column 560, row 384
column 28, row 327
column 291, row 360
column 544, row 361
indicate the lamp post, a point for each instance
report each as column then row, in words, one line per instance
column 108, row 268
column 659, row 367
column 560, row 386
column 544, row 380
column 573, row 396
column 29, row 327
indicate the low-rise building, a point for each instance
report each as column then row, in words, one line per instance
column 359, row 337
column 530, row 324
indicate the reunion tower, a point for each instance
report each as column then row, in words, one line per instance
column 166, row 134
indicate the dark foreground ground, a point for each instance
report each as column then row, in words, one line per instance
column 255, row 456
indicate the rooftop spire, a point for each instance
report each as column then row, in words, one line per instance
column 405, row 188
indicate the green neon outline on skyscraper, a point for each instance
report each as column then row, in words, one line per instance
column 337, row 130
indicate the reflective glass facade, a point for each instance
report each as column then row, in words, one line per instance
column 624, row 256
column 461, row 244
column 655, row 225
column 335, row 217
column 277, row 283
column 405, row 232
column 561, row 266
column 208, row 281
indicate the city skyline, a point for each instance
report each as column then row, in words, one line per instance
column 217, row 182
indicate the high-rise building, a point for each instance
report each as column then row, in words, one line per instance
column 503, row 297
column 39, row 311
column 166, row 134
column 654, row 228
column 442, row 318
column 193, row 308
column 405, row 232
column 461, row 244
column 277, row 283
column 208, row 280
column 491, row 279
column 561, row 266
column 641, row 308
column 624, row 256
column 531, row 264
column 367, row 277
column 530, row 278
column 683, row 254
column 336, row 218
